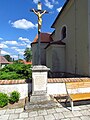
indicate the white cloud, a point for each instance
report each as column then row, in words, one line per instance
column 35, row 1
column 36, row 25
column 20, row 51
column 48, row 4
column 11, row 42
column 14, row 56
column 1, row 38
column 3, row 45
column 24, row 39
column 28, row 46
column 13, row 47
column 4, row 52
column 9, row 21
column 55, row 2
column 23, row 24
column 59, row 9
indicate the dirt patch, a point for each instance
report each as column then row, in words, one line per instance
column 19, row 104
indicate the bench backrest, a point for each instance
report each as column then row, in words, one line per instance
column 76, row 87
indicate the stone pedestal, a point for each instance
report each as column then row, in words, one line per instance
column 39, row 98
column 39, row 80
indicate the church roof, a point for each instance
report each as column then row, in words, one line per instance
column 45, row 38
column 59, row 42
column 60, row 13
column 3, row 60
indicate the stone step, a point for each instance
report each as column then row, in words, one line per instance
column 37, row 103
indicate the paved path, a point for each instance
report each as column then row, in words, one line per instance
column 81, row 112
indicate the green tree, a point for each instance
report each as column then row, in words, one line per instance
column 28, row 54
column 8, row 58
column 16, row 71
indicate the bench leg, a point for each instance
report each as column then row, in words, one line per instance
column 66, row 100
column 71, row 102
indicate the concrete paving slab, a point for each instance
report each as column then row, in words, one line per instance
column 2, row 112
column 19, row 110
column 10, row 111
column 49, row 111
column 4, row 117
column 49, row 117
column 42, row 112
column 13, row 116
column 39, row 118
column 68, row 114
column 77, row 113
column 23, row 115
column 85, row 118
column 33, row 114
column 58, row 116
column 75, row 118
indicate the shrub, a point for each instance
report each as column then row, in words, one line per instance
column 9, row 75
column 3, row 99
column 14, row 97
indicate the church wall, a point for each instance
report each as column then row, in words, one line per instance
column 89, row 32
column 56, row 57
column 74, row 17
column 67, row 18
column 81, row 33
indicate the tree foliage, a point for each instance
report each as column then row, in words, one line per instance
column 8, row 58
column 16, row 71
column 28, row 54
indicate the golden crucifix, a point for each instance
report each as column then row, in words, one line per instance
column 39, row 14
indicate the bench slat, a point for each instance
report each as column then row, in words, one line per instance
column 75, row 85
column 80, row 96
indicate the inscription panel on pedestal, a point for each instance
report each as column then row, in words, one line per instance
column 40, row 83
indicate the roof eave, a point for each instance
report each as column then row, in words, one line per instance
column 60, row 13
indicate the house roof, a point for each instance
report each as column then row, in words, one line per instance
column 60, row 13
column 3, row 60
column 27, row 63
column 45, row 38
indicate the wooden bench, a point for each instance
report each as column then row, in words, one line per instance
column 77, row 91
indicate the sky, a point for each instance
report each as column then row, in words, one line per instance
column 18, row 26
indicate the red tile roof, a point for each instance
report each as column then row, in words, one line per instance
column 27, row 63
column 45, row 38
column 3, row 60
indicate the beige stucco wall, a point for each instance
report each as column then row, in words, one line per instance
column 69, row 21
column 82, row 37
column 35, row 53
column 74, row 17
column 89, row 32
column 55, row 57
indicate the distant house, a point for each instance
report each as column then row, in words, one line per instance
column 45, row 40
column 25, row 62
column 4, row 62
